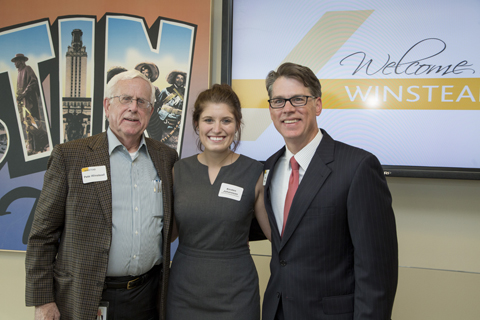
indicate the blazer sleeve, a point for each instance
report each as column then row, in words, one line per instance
column 46, row 231
column 373, row 231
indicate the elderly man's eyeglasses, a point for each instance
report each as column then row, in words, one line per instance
column 297, row 101
column 141, row 103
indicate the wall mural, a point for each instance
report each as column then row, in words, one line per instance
column 52, row 82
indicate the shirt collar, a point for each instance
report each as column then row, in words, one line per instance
column 113, row 142
column 305, row 155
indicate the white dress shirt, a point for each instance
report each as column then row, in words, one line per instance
column 281, row 175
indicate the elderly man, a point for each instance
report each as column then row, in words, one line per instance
column 334, row 242
column 99, row 240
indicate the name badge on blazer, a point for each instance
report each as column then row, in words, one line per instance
column 94, row 174
column 265, row 176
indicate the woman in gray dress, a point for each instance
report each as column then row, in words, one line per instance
column 217, row 193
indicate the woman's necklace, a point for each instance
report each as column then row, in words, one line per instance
column 225, row 161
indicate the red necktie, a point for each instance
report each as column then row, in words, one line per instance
column 292, row 188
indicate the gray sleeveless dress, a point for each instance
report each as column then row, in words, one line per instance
column 212, row 274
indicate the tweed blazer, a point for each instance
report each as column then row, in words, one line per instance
column 68, row 246
column 338, row 258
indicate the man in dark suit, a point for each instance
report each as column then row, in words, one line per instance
column 334, row 246
column 101, row 230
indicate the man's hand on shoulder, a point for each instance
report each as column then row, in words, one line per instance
column 47, row 311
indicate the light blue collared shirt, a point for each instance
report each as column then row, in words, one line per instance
column 137, row 210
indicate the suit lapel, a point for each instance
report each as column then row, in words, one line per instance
column 313, row 180
column 157, row 159
column 99, row 157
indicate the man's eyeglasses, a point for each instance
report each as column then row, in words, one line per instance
column 141, row 103
column 297, row 101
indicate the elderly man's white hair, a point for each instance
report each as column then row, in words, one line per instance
column 128, row 75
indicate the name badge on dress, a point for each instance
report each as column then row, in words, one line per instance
column 94, row 174
column 230, row 191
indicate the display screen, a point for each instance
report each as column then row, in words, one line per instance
column 400, row 79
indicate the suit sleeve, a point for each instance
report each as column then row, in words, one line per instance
column 46, row 231
column 373, row 231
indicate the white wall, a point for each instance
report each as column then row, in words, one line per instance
column 12, row 287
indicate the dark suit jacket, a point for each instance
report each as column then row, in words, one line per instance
column 67, row 253
column 338, row 256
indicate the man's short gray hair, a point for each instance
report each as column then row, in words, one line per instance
column 128, row 75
